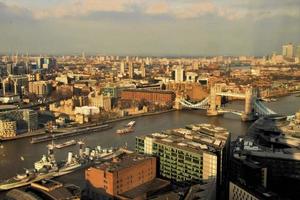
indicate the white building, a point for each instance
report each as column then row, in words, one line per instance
column 87, row 110
column 288, row 50
column 179, row 74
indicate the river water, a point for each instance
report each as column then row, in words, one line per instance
column 12, row 151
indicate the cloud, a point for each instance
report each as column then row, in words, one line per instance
column 84, row 7
column 188, row 9
column 13, row 12
column 157, row 8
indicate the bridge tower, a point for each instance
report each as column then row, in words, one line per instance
column 250, row 95
column 212, row 110
column 177, row 105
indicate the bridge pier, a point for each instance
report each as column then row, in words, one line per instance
column 177, row 105
column 248, row 117
column 250, row 95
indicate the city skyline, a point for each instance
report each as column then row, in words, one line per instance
column 132, row 27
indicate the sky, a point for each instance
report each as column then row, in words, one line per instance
column 148, row 27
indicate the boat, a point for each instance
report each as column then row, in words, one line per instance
column 65, row 144
column 125, row 130
column 78, row 131
column 131, row 124
column 47, row 167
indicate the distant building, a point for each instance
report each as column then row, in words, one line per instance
column 189, row 156
column 87, row 110
column 101, row 101
column 179, row 74
column 130, row 70
column 143, row 70
column 153, row 96
column 40, row 88
column 110, row 91
column 8, row 128
column 288, row 50
column 297, row 52
column 122, row 68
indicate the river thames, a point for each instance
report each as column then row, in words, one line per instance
column 12, row 151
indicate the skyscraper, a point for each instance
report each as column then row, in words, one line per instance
column 122, row 68
column 179, row 74
column 143, row 70
column 297, row 54
column 130, row 70
column 288, row 50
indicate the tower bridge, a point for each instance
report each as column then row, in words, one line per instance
column 212, row 104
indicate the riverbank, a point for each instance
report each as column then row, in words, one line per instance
column 42, row 132
column 138, row 115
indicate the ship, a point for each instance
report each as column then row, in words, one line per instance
column 124, row 130
column 65, row 144
column 47, row 167
column 131, row 124
column 43, row 169
column 78, row 131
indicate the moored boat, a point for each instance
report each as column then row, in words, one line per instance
column 65, row 144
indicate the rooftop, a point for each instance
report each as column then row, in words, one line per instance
column 194, row 137
column 122, row 162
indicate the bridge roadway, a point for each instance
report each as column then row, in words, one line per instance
column 259, row 108
column 230, row 94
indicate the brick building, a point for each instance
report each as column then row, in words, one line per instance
column 153, row 96
column 122, row 175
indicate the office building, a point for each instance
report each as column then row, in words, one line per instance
column 191, row 155
column 8, row 128
column 130, row 70
column 25, row 119
column 143, row 70
column 288, row 50
column 31, row 119
column 178, row 74
column 266, row 162
column 122, row 68
column 297, row 52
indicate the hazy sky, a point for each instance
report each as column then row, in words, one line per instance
column 149, row 27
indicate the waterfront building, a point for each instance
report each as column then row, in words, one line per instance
column 40, row 88
column 8, row 128
column 288, row 50
column 26, row 119
column 31, row 119
column 101, row 101
column 46, row 190
column 267, row 158
column 87, row 110
column 129, row 176
column 191, row 155
column 153, row 96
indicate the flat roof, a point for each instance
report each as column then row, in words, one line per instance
column 195, row 138
column 152, row 186
column 123, row 162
